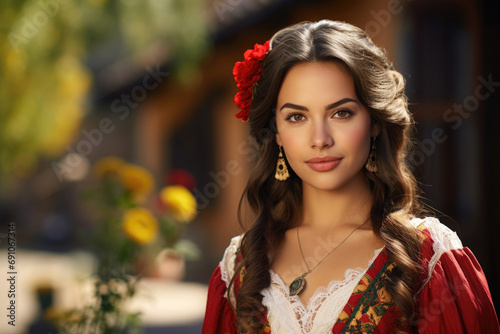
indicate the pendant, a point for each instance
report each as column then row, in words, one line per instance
column 297, row 285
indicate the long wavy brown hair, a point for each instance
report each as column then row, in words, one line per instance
column 275, row 204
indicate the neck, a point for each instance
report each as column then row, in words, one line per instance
column 330, row 209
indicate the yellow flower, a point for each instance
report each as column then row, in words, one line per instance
column 137, row 180
column 180, row 201
column 107, row 165
column 140, row 225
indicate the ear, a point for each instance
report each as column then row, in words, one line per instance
column 375, row 129
column 278, row 139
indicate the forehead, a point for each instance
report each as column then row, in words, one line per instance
column 315, row 81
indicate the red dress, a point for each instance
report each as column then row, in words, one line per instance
column 453, row 297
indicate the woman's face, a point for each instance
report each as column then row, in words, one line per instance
column 323, row 128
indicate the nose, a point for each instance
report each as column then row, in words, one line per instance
column 321, row 136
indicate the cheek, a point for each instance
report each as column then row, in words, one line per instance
column 291, row 139
column 291, row 144
column 357, row 139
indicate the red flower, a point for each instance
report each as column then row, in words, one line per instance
column 180, row 177
column 246, row 74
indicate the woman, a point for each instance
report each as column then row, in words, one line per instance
column 336, row 246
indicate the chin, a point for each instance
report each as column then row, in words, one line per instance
column 326, row 185
column 331, row 182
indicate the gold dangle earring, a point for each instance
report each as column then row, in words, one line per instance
column 371, row 164
column 281, row 169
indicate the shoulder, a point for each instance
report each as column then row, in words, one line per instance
column 441, row 236
column 437, row 239
column 219, row 314
column 227, row 264
column 453, row 292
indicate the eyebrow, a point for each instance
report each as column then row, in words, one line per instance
column 330, row 106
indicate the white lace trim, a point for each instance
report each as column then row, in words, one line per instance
column 444, row 240
column 227, row 264
column 287, row 314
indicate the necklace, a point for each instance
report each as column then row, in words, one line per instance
column 300, row 282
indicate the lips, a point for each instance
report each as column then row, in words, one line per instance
column 323, row 164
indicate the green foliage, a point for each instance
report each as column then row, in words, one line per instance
column 43, row 77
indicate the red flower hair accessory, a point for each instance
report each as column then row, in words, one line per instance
column 246, row 74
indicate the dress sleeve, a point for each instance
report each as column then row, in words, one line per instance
column 219, row 317
column 456, row 298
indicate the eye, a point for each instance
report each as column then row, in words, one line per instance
column 295, row 118
column 344, row 113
